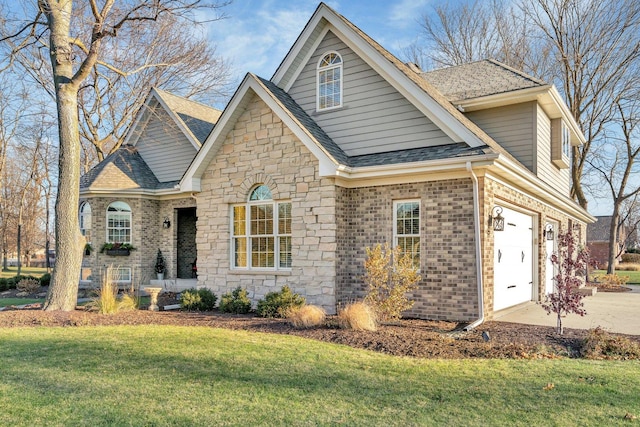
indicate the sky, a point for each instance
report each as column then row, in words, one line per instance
column 257, row 34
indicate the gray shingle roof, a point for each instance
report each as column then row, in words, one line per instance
column 125, row 170
column 199, row 118
column 477, row 79
column 199, row 128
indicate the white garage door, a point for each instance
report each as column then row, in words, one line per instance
column 513, row 260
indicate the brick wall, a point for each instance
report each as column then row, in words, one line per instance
column 262, row 150
column 448, row 288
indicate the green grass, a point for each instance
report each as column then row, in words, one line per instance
column 165, row 375
column 634, row 276
column 25, row 271
column 19, row 301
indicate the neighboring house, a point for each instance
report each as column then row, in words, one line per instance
column 346, row 147
column 134, row 196
column 598, row 240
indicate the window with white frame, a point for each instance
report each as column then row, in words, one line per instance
column 329, row 81
column 566, row 141
column 406, row 228
column 261, row 232
column 120, row 274
column 84, row 218
column 119, row 223
column 560, row 144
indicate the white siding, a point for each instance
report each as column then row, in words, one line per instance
column 374, row 118
column 513, row 127
column 164, row 147
column 547, row 171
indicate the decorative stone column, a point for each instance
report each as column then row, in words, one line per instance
column 153, row 292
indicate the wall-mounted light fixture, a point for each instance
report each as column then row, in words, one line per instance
column 496, row 220
column 548, row 232
column 166, row 223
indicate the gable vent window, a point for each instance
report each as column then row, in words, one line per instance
column 329, row 81
column 560, row 144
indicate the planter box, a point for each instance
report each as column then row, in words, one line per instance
column 118, row 252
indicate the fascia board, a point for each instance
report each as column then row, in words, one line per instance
column 567, row 116
column 541, row 189
column 139, row 117
column 501, row 99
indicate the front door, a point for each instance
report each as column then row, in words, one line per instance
column 186, row 242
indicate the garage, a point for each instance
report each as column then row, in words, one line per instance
column 513, row 260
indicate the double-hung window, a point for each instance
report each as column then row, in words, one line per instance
column 119, row 223
column 406, row 228
column 261, row 235
column 329, row 81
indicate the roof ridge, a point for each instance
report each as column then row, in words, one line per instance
column 516, row 71
column 162, row 92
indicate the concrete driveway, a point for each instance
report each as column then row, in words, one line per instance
column 612, row 311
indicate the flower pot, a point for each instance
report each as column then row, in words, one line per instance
column 160, row 276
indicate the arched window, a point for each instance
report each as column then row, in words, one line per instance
column 119, row 223
column 329, row 81
column 84, row 217
column 261, row 237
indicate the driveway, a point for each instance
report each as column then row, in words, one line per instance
column 613, row 311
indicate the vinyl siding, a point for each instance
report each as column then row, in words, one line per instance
column 375, row 118
column 164, row 147
column 547, row 171
column 513, row 127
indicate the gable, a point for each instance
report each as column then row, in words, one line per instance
column 164, row 147
column 375, row 117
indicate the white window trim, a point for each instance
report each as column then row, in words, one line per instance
column 130, row 223
column 395, row 225
column 82, row 219
column 276, row 236
column 327, row 68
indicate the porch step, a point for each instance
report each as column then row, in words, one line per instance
column 588, row 291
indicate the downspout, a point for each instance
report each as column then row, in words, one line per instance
column 476, row 221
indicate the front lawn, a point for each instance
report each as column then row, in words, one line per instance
column 634, row 276
column 167, row 375
column 24, row 271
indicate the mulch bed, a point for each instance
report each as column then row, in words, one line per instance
column 410, row 337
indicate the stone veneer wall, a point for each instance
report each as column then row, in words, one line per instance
column 262, row 150
column 448, row 288
column 147, row 236
column 494, row 193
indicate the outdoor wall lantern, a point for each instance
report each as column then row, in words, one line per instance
column 548, row 232
column 166, row 223
column 496, row 219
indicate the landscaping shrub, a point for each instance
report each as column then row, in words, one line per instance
column 276, row 304
column 611, row 279
column 389, row 276
column 628, row 267
column 28, row 285
column 357, row 316
column 631, row 258
column 599, row 344
column 45, row 279
column 198, row 300
column 4, row 285
column 307, row 316
column 236, row 302
column 106, row 301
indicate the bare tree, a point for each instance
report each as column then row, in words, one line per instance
column 618, row 164
column 75, row 42
column 589, row 48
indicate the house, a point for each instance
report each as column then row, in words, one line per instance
column 466, row 168
column 598, row 240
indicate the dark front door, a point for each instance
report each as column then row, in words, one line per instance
column 186, row 242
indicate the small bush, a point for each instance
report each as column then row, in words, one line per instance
column 631, row 258
column 28, row 285
column 4, row 285
column 276, row 304
column 612, row 280
column 307, row 316
column 45, row 279
column 599, row 344
column 628, row 267
column 357, row 316
column 198, row 300
column 236, row 302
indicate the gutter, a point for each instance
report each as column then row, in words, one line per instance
column 476, row 221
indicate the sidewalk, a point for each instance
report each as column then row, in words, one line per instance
column 613, row 311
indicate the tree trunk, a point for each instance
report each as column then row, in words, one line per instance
column 613, row 239
column 63, row 290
